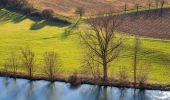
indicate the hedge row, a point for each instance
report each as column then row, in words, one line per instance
column 27, row 9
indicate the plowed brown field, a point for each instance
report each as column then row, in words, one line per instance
column 67, row 7
column 148, row 24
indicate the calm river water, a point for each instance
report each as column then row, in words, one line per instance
column 22, row 89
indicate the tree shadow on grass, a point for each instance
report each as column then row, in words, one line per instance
column 6, row 16
column 70, row 30
column 147, row 55
column 154, row 56
column 17, row 17
column 41, row 24
column 46, row 38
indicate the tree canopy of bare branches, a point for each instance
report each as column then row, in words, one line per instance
column 101, row 40
column 51, row 64
column 28, row 59
column 13, row 62
column 90, row 66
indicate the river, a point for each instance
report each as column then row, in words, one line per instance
column 22, row 89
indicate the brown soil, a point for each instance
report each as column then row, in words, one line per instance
column 148, row 24
column 80, row 79
column 92, row 7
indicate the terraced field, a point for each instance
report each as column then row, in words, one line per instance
column 92, row 7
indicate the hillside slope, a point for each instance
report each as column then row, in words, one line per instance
column 67, row 7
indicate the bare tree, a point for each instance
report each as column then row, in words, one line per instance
column 125, row 8
column 136, row 50
column 28, row 60
column 101, row 40
column 6, row 68
column 80, row 11
column 51, row 64
column 13, row 62
column 137, row 9
column 143, row 74
column 149, row 5
column 90, row 65
column 149, row 8
column 162, row 2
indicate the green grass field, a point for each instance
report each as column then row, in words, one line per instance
column 17, row 31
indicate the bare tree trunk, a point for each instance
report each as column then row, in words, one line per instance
column 125, row 8
column 30, row 73
column 136, row 49
column 135, row 60
column 162, row 5
column 105, row 71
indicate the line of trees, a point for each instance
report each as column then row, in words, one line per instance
column 103, row 47
column 26, row 60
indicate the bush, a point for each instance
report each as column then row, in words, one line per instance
column 143, row 74
column 47, row 14
column 73, row 79
column 123, row 74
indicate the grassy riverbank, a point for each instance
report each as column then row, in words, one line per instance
column 84, row 79
column 17, row 31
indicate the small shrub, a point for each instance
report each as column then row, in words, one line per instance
column 143, row 74
column 123, row 74
column 47, row 14
column 73, row 79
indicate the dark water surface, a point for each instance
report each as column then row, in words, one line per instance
column 21, row 89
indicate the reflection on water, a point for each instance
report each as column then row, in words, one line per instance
column 21, row 89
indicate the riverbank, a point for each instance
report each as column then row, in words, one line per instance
column 80, row 79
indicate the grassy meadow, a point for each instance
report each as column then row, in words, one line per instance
column 17, row 31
